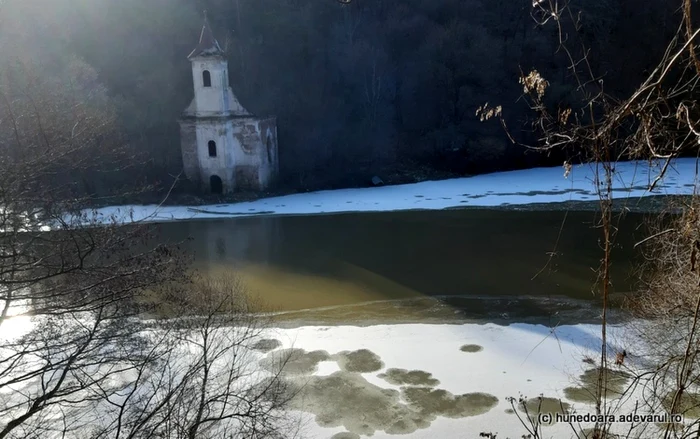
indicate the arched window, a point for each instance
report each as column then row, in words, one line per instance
column 269, row 148
column 206, row 78
column 212, row 148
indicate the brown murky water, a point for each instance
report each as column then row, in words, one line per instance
column 438, row 266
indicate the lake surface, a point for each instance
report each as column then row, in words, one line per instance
column 431, row 266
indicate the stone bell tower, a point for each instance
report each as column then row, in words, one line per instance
column 224, row 147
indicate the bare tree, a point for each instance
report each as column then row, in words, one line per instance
column 89, row 364
column 203, row 379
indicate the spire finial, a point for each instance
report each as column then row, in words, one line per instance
column 208, row 46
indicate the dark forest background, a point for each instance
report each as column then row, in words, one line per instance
column 382, row 87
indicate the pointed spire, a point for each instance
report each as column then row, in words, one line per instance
column 208, row 46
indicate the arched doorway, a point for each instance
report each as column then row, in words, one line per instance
column 215, row 184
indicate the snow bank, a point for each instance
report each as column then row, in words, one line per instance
column 539, row 185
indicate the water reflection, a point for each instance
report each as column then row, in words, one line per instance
column 450, row 257
column 228, row 241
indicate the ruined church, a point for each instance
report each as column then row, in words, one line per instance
column 224, row 147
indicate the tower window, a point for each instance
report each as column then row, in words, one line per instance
column 269, row 148
column 212, row 148
column 206, row 78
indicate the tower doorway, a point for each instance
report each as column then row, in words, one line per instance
column 215, row 184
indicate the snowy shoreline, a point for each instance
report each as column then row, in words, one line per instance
column 531, row 186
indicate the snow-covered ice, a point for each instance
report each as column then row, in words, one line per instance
column 513, row 360
column 519, row 359
column 539, row 185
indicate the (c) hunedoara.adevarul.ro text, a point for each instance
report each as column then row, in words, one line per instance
column 630, row 418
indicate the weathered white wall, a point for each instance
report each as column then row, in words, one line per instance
column 189, row 149
column 252, row 134
column 217, row 100
column 220, row 165
column 209, row 101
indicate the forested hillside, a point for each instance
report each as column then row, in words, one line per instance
column 382, row 87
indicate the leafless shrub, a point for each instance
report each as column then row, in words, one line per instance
column 213, row 386
column 669, row 306
column 657, row 121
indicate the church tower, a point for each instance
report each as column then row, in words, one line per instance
column 224, row 147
